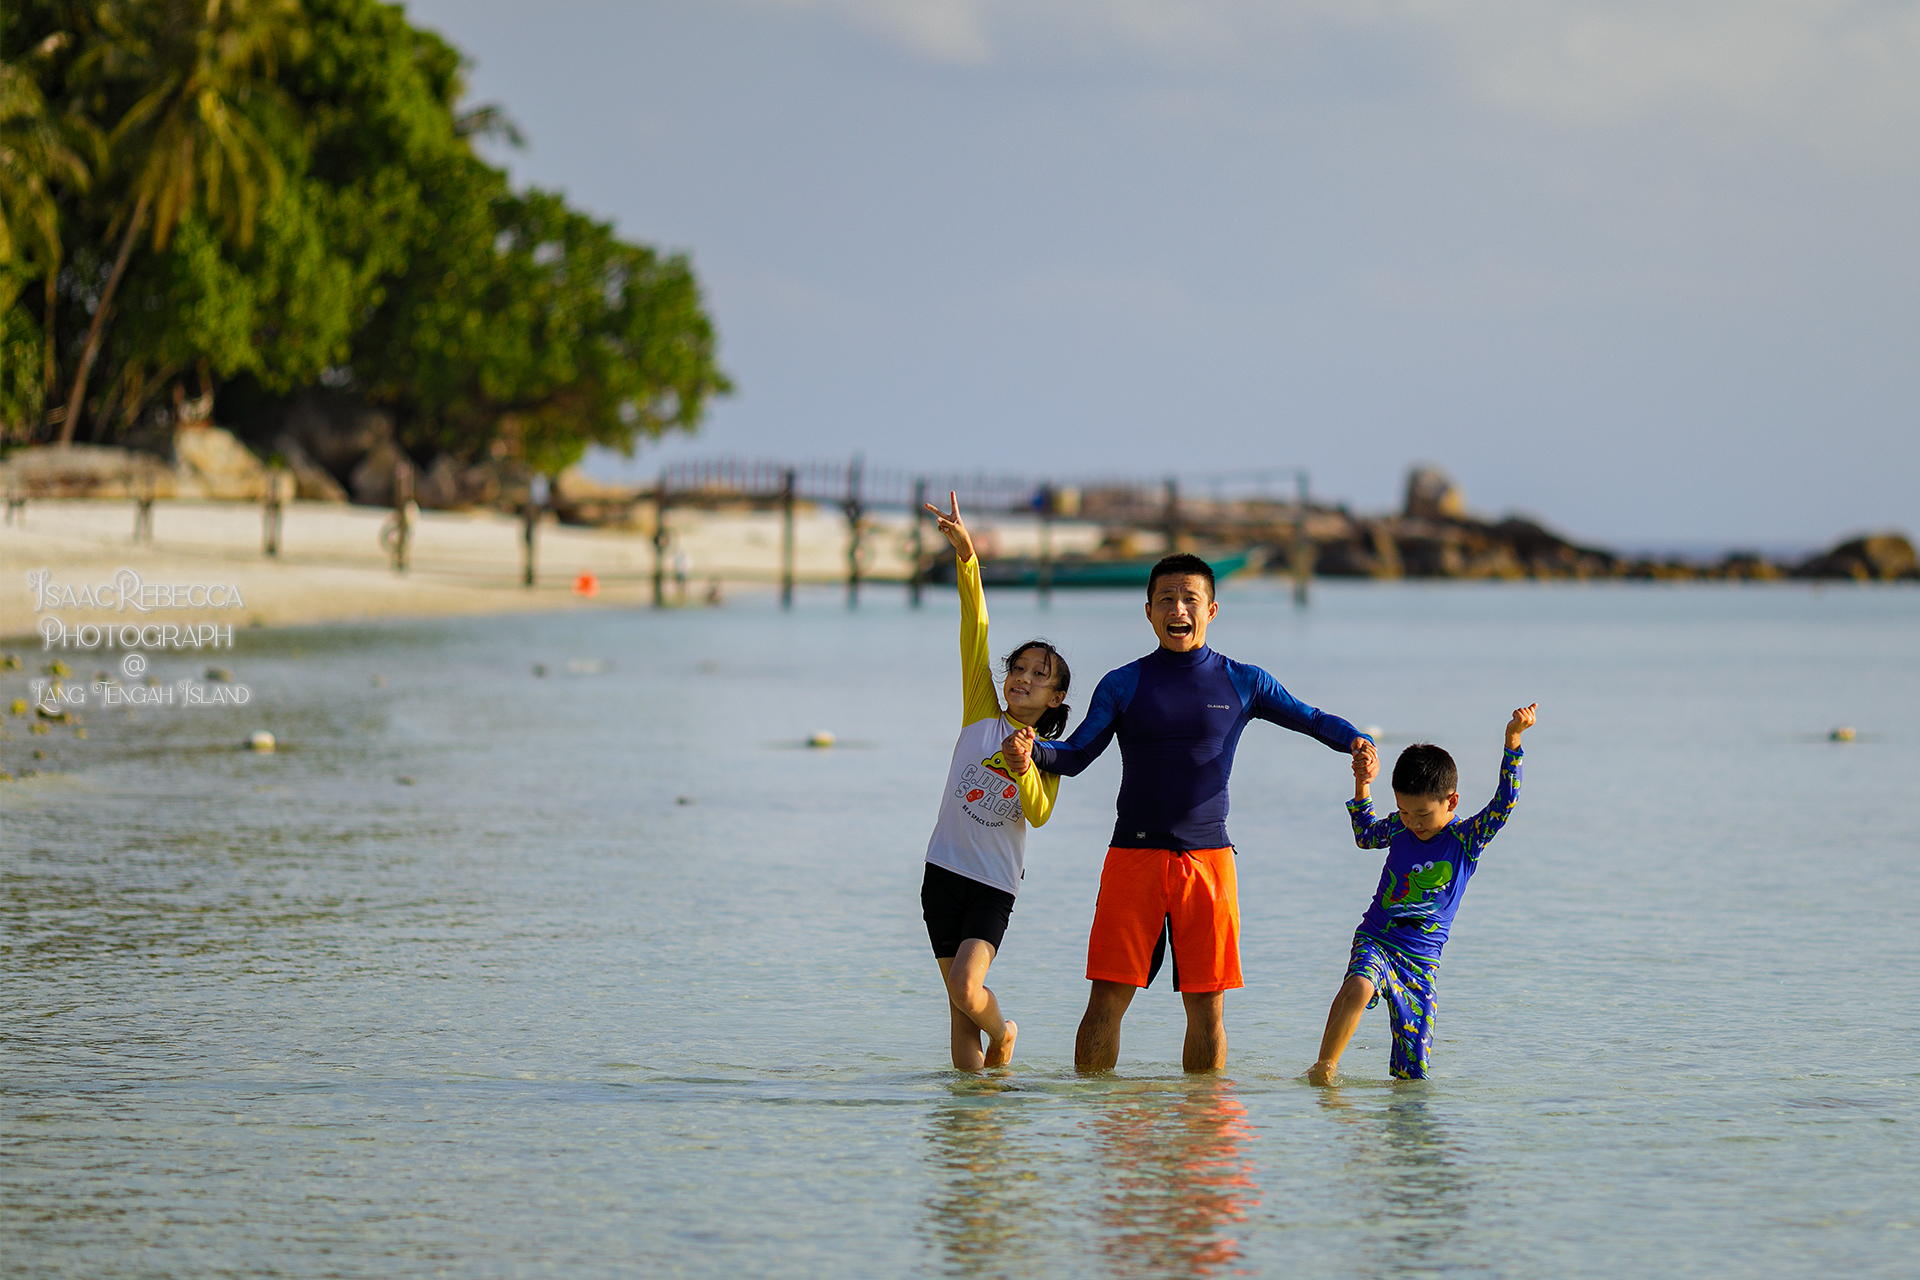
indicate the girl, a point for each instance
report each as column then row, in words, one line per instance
column 975, row 858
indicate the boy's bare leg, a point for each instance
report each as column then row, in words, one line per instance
column 1096, row 1047
column 970, row 996
column 1343, row 1019
column 1206, row 1047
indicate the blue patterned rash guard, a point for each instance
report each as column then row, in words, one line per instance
column 1179, row 717
column 1424, row 880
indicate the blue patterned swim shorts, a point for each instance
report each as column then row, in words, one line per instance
column 1407, row 983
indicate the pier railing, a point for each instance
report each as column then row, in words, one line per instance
column 1242, row 505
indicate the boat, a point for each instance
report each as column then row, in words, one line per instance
column 1078, row 571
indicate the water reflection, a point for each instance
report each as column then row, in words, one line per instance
column 1415, row 1192
column 988, row 1210
column 1175, row 1180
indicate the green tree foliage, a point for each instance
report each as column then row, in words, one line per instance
column 533, row 323
column 39, row 153
column 293, row 198
column 196, row 74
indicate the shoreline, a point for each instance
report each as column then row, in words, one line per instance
column 332, row 569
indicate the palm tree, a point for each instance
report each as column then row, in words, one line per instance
column 186, row 143
column 35, row 158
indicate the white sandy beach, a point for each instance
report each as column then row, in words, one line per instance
column 332, row 567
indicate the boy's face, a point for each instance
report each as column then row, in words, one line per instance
column 1180, row 609
column 1426, row 816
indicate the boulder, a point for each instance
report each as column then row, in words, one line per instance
column 371, row 481
column 312, row 482
column 210, row 462
column 438, row 488
column 1877, row 557
column 337, row 431
column 1432, row 495
column 85, row 471
column 451, row 485
column 579, row 498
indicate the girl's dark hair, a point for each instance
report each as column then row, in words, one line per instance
column 1053, row 721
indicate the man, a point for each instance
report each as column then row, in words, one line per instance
column 1169, row 884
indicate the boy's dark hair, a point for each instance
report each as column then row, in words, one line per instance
column 1425, row 770
column 1179, row 565
column 1053, row 720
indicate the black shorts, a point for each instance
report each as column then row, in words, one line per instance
column 957, row 908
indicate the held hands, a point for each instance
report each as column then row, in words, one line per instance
column 1366, row 766
column 954, row 528
column 1522, row 721
column 1017, row 750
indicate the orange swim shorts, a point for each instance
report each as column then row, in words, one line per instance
column 1156, row 900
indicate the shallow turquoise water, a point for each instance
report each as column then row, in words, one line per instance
column 627, row 982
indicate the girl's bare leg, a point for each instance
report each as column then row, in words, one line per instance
column 974, row 1001
column 965, row 1040
column 1343, row 1019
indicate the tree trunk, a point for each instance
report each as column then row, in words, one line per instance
column 98, row 326
column 53, row 297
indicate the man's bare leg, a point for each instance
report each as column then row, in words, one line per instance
column 1343, row 1019
column 968, row 993
column 1206, row 1047
column 1097, row 1045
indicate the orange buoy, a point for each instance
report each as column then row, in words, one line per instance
column 586, row 585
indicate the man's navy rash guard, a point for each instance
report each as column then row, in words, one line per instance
column 1179, row 717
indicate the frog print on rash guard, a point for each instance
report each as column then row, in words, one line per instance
column 1397, row 946
column 1422, row 884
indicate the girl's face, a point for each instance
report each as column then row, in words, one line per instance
column 1029, row 686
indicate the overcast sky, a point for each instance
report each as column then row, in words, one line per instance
column 1650, row 270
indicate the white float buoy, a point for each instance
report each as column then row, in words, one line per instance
column 261, row 741
column 824, row 738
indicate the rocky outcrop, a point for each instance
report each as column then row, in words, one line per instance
column 1877, row 557
column 336, row 431
column 208, row 463
column 578, row 498
column 84, row 471
column 1433, row 547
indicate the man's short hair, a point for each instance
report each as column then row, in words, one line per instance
column 1179, row 565
column 1425, row 770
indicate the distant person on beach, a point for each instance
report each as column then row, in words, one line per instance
column 1430, row 858
column 978, row 851
column 1169, row 887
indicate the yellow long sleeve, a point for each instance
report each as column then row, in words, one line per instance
column 1037, row 793
column 982, row 701
column 1037, row 789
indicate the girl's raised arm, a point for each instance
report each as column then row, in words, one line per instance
column 981, row 700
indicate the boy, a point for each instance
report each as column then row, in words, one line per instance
column 1430, row 857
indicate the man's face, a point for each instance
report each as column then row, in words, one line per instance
column 1180, row 609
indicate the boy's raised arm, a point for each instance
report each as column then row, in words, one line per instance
column 1490, row 819
column 1522, row 721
